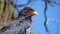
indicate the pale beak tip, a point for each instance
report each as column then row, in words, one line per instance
column 35, row 13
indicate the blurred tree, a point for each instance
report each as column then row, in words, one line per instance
column 6, row 13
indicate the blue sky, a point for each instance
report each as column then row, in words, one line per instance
column 38, row 21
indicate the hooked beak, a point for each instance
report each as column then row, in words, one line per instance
column 35, row 13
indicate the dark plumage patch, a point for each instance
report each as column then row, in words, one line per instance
column 18, row 25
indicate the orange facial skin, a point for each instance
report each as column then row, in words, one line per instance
column 29, row 12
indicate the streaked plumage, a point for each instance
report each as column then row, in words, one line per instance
column 20, row 24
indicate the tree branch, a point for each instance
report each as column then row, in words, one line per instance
column 45, row 16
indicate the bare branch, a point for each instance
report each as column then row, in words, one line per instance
column 45, row 16
column 29, row 1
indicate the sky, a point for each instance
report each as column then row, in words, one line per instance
column 37, row 25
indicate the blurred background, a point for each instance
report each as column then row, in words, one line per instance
column 52, row 12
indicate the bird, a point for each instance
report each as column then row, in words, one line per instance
column 21, row 23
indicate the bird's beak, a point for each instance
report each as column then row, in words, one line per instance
column 35, row 13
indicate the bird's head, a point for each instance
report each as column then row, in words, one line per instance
column 28, row 11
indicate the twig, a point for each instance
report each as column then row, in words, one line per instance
column 45, row 16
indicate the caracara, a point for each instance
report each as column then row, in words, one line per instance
column 21, row 23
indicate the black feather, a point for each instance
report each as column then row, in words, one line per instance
column 17, row 26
